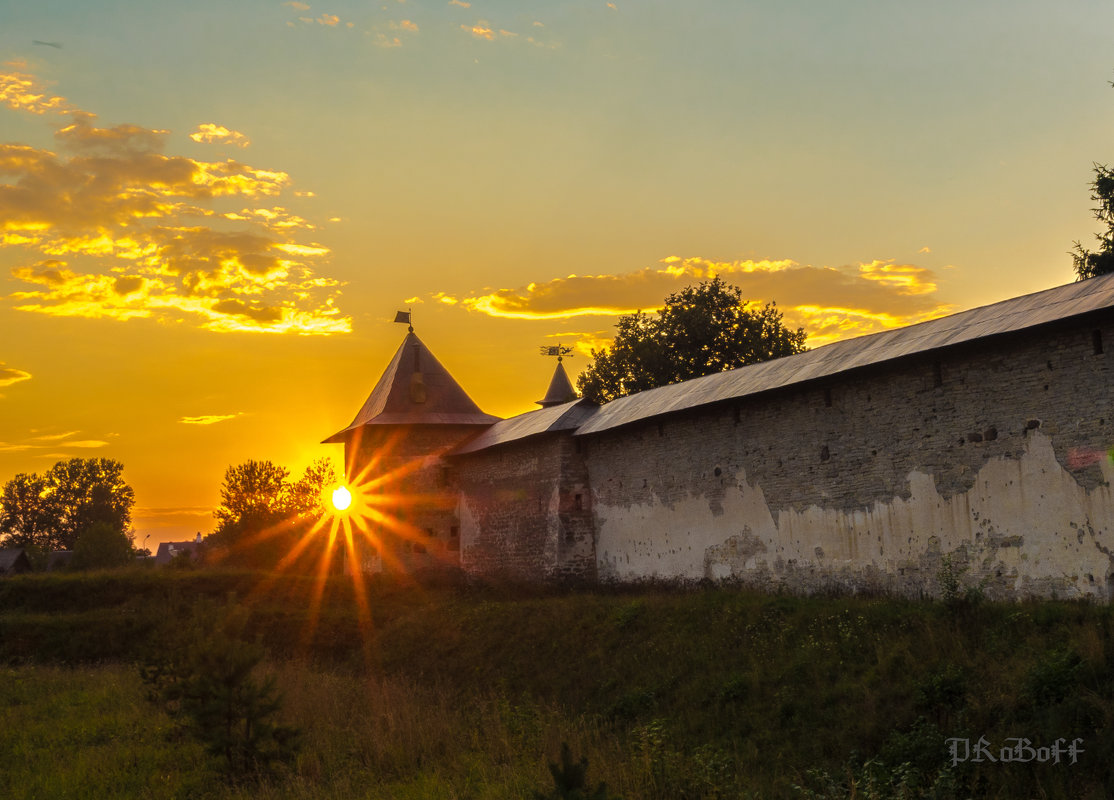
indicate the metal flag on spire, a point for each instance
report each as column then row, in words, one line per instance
column 404, row 318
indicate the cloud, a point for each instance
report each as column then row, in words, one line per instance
column 830, row 303
column 23, row 92
column 53, row 440
column 460, row 3
column 405, row 25
column 53, row 437
column 294, row 4
column 209, row 419
column 209, row 132
column 7, row 447
column 331, row 20
column 123, row 231
column 480, row 30
column 10, row 375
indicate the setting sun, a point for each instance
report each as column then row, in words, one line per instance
column 342, row 498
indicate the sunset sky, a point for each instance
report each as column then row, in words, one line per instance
column 210, row 211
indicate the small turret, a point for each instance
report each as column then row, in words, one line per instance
column 560, row 387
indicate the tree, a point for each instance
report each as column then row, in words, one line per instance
column 102, row 546
column 699, row 331
column 52, row 510
column 1100, row 262
column 263, row 513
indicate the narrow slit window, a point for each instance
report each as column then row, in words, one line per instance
column 1096, row 342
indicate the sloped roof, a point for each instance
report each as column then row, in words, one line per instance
column 560, row 388
column 565, row 417
column 416, row 390
column 1016, row 314
column 14, row 559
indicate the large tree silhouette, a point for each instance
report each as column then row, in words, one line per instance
column 50, row 511
column 699, row 331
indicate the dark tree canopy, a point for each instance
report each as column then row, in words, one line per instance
column 52, row 510
column 701, row 330
column 1088, row 264
column 263, row 513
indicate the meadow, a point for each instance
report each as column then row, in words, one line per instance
column 404, row 691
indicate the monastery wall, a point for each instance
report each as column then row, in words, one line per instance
column 992, row 457
column 525, row 511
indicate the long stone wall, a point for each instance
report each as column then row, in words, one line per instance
column 991, row 459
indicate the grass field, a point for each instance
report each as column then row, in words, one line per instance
column 404, row 692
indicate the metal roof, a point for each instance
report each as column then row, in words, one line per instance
column 565, row 417
column 416, row 390
column 560, row 388
column 1016, row 314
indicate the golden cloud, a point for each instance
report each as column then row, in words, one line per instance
column 830, row 303
column 23, row 92
column 294, row 4
column 329, row 19
column 45, row 441
column 10, row 375
column 209, row 419
column 209, row 132
column 405, row 25
column 124, row 231
column 480, row 30
column 460, row 3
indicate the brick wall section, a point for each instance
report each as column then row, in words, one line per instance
column 847, row 447
column 401, row 473
column 526, row 511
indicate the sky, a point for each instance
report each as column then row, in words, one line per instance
column 211, row 211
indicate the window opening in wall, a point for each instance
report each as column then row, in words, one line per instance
column 429, row 532
column 828, row 398
column 661, row 429
column 454, row 532
column 576, row 443
column 824, row 453
column 937, row 374
column 1096, row 342
column 578, row 502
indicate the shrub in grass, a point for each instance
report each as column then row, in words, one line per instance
column 570, row 780
column 204, row 674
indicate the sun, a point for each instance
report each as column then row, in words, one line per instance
column 342, row 498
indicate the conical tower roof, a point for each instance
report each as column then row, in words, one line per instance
column 560, row 388
column 416, row 390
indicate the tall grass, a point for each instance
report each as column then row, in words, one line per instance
column 707, row 694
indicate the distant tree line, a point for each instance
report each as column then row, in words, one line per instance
column 81, row 504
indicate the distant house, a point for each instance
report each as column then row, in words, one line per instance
column 14, row 561
column 168, row 550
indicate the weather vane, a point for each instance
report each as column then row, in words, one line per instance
column 556, row 350
column 404, row 318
